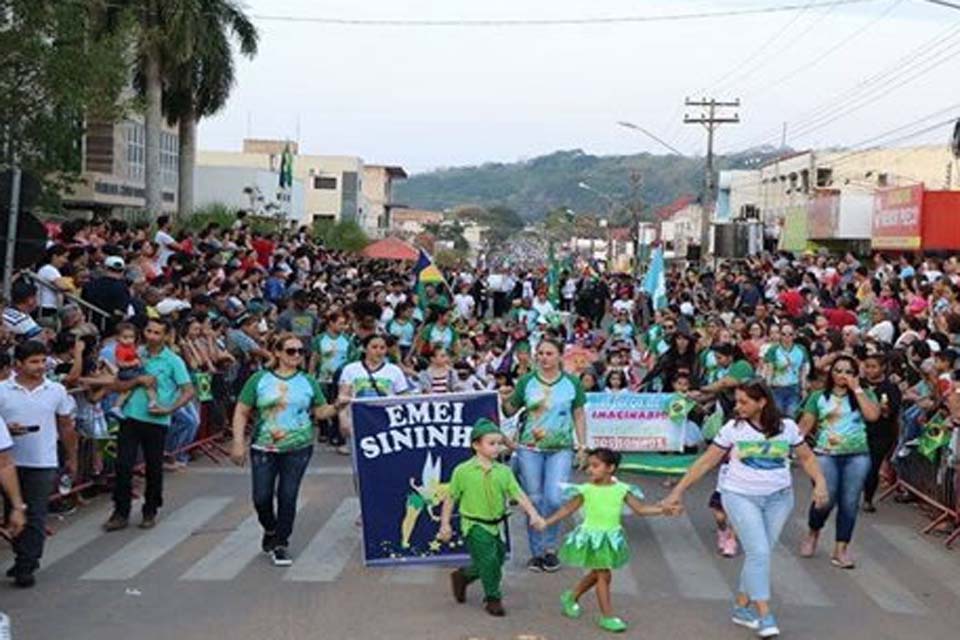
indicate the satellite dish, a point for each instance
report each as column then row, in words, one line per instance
column 955, row 141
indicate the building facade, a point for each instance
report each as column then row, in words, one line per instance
column 332, row 185
column 377, row 190
column 113, row 170
column 250, row 189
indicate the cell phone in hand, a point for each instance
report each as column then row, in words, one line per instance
column 25, row 429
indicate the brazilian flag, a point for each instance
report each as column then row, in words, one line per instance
column 678, row 407
column 712, row 425
column 935, row 436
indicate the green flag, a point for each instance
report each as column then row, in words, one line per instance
column 679, row 407
column 935, row 436
column 286, row 168
column 553, row 280
column 712, row 425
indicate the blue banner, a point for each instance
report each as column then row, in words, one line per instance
column 405, row 449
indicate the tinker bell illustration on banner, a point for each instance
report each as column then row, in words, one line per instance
column 429, row 495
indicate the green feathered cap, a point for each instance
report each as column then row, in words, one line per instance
column 482, row 428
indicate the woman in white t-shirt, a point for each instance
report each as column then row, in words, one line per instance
column 757, row 492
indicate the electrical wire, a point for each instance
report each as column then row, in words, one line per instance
column 550, row 22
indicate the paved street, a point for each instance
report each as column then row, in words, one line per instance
column 200, row 575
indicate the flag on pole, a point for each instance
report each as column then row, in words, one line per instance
column 654, row 282
column 286, row 168
column 427, row 273
column 553, row 280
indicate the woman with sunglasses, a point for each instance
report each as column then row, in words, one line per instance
column 786, row 366
column 284, row 402
column 838, row 417
column 756, row 491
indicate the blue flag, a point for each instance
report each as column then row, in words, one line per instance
column 654, row 282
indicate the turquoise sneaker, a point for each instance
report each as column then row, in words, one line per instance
column 613, row 624
column 768, row 627
column 745, row 617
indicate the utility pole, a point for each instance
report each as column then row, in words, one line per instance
column 710, row 121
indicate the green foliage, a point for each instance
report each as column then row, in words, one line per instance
column 217, row 213
column 341, row 236
column 535, row 187
column 56, row 72
column 501, row 221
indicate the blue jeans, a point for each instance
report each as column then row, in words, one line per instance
column 845, row 476
column 787, row 399
column 542, row 474
column 276, row 479
column 182, row 431
column 758, row 521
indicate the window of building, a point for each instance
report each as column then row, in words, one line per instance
column 324, row 182
column 824, row 177
column 134, row 138
column 883, row 180
column 349, row 205
column 169, row 158
column 805, row 181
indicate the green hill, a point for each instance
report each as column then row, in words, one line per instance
column 534, row 187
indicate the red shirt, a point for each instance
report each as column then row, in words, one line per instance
column 840, row 318
column 264, row 249
column 793, row 302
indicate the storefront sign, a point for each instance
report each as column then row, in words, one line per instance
column 896, row 218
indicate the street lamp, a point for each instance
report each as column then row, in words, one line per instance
column 636, row 127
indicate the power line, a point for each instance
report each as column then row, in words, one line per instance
column 550, row 22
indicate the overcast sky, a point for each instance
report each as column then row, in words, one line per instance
column 431, row 97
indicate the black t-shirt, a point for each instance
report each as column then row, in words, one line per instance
column 887, row 427
column 109, row 294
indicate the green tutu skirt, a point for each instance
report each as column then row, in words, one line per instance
column 594, row 549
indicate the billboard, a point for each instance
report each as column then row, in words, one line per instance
column 896, row 218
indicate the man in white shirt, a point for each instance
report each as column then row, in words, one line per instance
column 38, row 413
column 166, row 242
column 50, row 297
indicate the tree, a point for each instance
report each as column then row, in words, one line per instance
column 198, row 86
column 346, row 235
column 56, row 72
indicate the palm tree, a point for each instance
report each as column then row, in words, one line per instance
column 198, row 86
column 184, row 45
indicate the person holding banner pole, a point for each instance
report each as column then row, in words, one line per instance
column 282, row 399
column 554, row 428
column 757, row 492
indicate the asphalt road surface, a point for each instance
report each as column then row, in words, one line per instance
column 200, row 575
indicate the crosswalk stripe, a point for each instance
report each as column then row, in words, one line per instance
column 690, row 563
column 625, row 583
column 74, row 537
column 922, row 552
column 232, row 554
column 792, row 583
column 330, row 550
column 877, row 582
column 148, row 547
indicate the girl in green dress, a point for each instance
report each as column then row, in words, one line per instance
column 599, row 543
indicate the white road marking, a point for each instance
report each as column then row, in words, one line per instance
column 792, row 583
column 76, row 535
column 239, row 471
column 150, row 546
column 232, row 554
column 330, row 550
column 690, row 563
column 925, row 552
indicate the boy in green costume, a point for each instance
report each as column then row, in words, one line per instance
column 481, row 486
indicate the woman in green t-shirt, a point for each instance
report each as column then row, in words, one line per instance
column 556, row 425
column 838, row 416
column 284, row 401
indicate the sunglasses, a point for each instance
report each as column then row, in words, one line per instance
column 294, row 351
